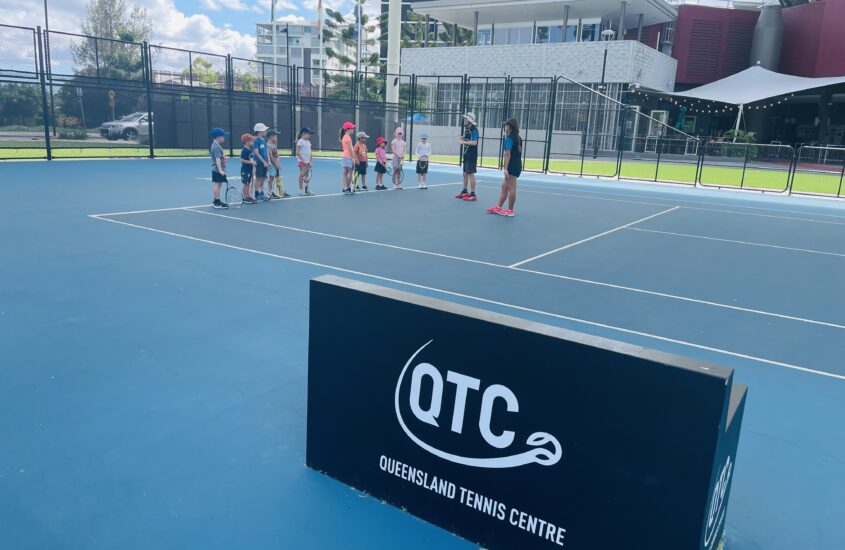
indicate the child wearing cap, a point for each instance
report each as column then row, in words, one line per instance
column 381, row 163
column 303, row 158
column 275, row 161
column 218, row 165
column 398, row 146
column 247, row 167
column 361, row 159
column 347, row 155
column 259, row 151
column 423, row 151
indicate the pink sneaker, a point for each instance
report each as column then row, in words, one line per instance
column 508, row 213
column 494, row 210
column 470, row 197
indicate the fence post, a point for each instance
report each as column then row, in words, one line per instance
column 96, row 56
column 230, row 86
column 658, row 148
column 793, row 165
column 44, row 109
column 551, row 126
column 841, row 177
column 699, row 168
column 293, row 95
column 744, row 164
column 148, row 81
column 620, row 142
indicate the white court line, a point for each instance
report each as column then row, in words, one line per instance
column 345, row 238
column 532, row 271
column 484, row 300
column 588, row 239
column 320, row 196
column 570, row 187
column 738, row 242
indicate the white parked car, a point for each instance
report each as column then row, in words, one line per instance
column 129, row 127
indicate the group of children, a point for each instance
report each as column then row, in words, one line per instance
column 355, row 159
column 260, row 153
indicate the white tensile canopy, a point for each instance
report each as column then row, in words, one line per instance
column 755, row 84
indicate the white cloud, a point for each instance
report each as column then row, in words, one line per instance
column 171, row 26
column 235, row 5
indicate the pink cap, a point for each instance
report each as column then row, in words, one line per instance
column 348, row 126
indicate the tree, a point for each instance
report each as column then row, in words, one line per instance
column 112, row 58
column 20, row 104
column 203, row 72
column 340, row 39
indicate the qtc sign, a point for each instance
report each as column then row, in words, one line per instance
column 537, row 437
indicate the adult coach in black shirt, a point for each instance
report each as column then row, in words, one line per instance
column 469, row 140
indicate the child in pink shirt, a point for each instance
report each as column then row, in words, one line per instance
column 381, row 163
column 398, row 146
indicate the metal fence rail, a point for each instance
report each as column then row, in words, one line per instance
column 68, row 95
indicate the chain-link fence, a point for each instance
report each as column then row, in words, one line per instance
column 65, row 95
column 819, row 171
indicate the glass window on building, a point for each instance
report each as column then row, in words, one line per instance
column 484, row 37
column 500, row 37
column 591, row 32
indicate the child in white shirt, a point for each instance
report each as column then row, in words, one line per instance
column 423, row 152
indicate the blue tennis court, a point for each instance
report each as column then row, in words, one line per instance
column 155, row 349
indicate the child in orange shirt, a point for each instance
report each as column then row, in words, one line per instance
column 361, row 159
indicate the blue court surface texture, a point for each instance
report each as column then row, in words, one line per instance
column 154, row 351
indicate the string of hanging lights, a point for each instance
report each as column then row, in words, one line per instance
column 711, row 107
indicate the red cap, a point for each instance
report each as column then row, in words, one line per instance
column 381, row 140
column 348, row 126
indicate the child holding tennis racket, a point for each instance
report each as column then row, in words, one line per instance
column 259, row 151
column 347, row 155
column 423, row 151
column 247, row 167
column 218, row 165
column 277, row 188
column 381, row 163
column 399, row 147
column 362, row 159
column 303, row 160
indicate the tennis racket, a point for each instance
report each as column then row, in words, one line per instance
column 278, row 186
column 234, row 196
column 306, row 176
column 355, row 178
column 423, row 164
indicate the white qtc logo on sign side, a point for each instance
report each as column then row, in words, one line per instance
column 540, row 454
column 716, row 511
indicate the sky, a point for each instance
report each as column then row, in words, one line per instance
column 215, row 26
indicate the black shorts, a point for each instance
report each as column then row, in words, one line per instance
column 260, row 171
column 361, row 168
column 246, row 177
column 471, row 163
column 217, row 177
column 515, row 169
column 380, row 168
column 422, row 167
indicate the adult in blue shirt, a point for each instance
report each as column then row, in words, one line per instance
column 513, row 168
column 469, row 141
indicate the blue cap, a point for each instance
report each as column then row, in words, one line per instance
column 305, row 130
column 217, row 132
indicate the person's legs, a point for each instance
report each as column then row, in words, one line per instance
column 511, row 192
column 503, row 194
column 216, row 190
column 471, row 183
column 301, row 178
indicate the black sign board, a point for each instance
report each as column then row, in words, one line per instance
column 515, row 434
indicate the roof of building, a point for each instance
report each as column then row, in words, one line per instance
column 462, row 12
